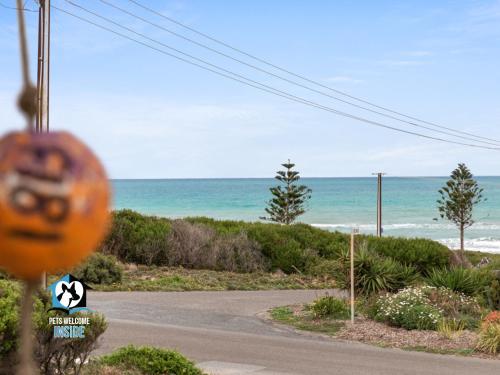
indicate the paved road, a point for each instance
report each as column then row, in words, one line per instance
column 222, row 332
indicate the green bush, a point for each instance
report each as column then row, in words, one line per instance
column 53, row 355
column 423, row 254
column 464, row 280
column 425, row 306
column 493, row 295
column 410, row 308
column 323, row 267
column 151, row 361
column 330, row 307
column 9, row 310
column 138, row 238
column 100, row 269
column 291, row 248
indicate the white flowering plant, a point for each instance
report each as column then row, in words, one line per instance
column 423, row 307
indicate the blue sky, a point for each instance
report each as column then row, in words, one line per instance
column 150, row 116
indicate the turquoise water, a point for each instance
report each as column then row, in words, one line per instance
column 409, row 204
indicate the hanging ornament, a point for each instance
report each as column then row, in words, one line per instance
column 54, row 202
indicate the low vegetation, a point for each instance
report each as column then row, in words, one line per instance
column 177, row 279
column 52, row 355
column 451, row 310
column 134, row 360
column 237, row 246
column 99, row 269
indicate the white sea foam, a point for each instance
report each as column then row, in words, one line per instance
column 476, row 226
column 485, row 243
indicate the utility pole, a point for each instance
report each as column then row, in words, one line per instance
column 43, row 77
column 43, row 71
column 379, row 202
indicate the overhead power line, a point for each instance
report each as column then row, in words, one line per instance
column 302, row 77
column 262, row 87
column 125, row 11
column 16, row 8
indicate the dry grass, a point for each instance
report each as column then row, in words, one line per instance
column 143, row 278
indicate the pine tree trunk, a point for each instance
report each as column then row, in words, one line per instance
column 462, row 240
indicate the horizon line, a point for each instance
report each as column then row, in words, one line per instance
column 272, row 178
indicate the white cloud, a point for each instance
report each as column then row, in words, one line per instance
column 401, row 62
column 418, row 53
column 343, row 79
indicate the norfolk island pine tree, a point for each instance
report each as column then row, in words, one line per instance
column 289, row 198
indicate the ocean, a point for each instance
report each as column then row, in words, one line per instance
column 409, row 204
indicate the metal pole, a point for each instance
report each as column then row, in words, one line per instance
column 379, row 203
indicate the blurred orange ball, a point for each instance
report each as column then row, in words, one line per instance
column 54, row 202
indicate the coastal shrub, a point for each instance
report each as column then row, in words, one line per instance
column 99, row 269
column 150, row 361
column 464, row 280
column 423, row 254
column 410, row 308
column 52, row 355
column 330, row 307
column 280, row 247
column 9, row 310
column 492, row 293
column 292, row 248
column 238, row 253
column 404, row 309
column 137, row 238
column 324, row 267
column 489, row 334
column 374, row 273
column 194, row 245
column 455, row 305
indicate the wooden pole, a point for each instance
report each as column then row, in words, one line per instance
column 26, row 363
column 353, row 233
column 43, row 75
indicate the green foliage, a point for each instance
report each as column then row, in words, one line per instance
column 245, row 247
column 100, row 269
column 151, row 361
column 289, row 198
column 448, row 327
column 423, row 254
column 464, row 280
column 330, row 307
column 9, row 310
column 410, row 308
column 458, row 198
column 138, row 238
column 373, row 273
column 493, row 295
column 489, row 338
column 53, row 355
column 424, row 307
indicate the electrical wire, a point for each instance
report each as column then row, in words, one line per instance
column 281, row 77
column 269, row 89
column 17, row 8
column 263, row 61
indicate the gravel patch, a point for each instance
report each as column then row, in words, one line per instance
column 371, row 332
